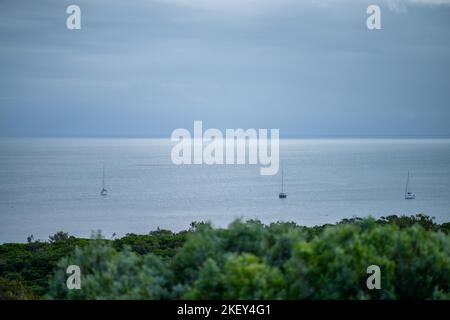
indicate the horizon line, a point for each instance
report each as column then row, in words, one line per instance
column 291, row 137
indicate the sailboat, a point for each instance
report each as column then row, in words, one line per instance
column 104, row 191
column 408, row 194
column 282, row 194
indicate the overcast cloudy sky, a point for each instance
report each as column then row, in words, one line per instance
column 145, row 68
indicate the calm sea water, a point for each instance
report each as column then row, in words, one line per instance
column 48, row 185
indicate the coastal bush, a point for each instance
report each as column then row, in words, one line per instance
column 243, row 276
column 110, row 274
column 414, row 263
column 271, row 243
column 281, row 239
column 32, row 263
column 205, row 243
column 59, row 236
column 247, row 260
column 163, row 243
column 15, row 290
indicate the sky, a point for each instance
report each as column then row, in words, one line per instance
column 310, row 68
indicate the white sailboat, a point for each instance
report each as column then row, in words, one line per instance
column 408, row 194
column 282, row 194
column 104, row 191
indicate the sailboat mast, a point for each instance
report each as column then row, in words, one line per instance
column 103, row 177
column 407, row 183
column 282, row 178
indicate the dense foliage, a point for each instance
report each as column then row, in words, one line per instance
column 247, row 260
column 25, row 268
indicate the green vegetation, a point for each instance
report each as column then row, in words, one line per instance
column 247, row 260
column 25, row 268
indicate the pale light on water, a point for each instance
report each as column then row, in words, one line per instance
column 47, row 185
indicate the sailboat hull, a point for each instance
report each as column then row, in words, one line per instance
column 282, row 194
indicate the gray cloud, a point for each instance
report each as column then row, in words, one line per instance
column 145, row 68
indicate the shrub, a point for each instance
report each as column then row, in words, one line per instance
column 109, row 274
column 242, row 276
column 15, row 290
column 414, row 263
column 59, row 236
column 247, row 260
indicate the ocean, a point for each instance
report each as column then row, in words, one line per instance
column 48, row 185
